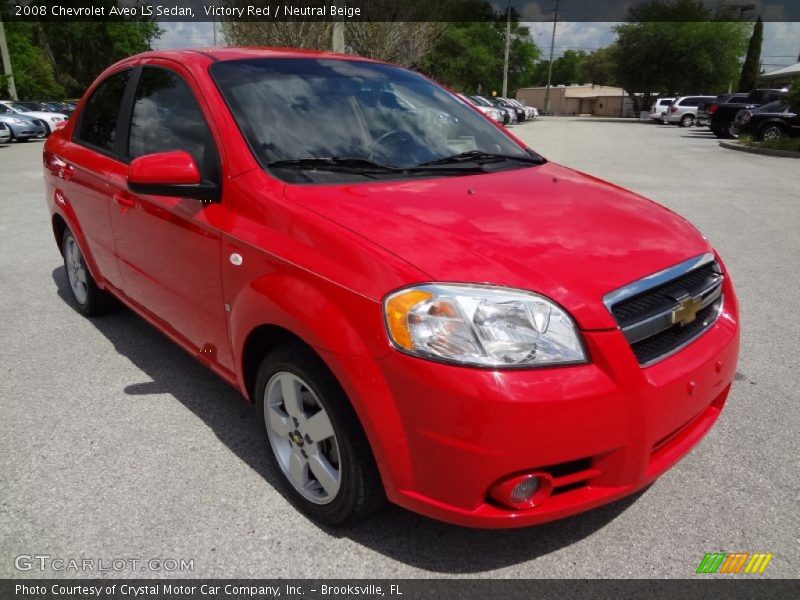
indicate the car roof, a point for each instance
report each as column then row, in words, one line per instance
column 205, row 55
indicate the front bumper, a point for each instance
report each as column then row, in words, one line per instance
column 604, row 429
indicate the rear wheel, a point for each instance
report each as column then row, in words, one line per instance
column 687, row 121
column 315, row 439
column 732, row 130
column 89, row 299
column 771, row 131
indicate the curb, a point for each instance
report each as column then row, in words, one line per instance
column 763, row 151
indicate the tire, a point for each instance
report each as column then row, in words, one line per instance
column 317, row 432
column 771, row 131
column 732, row 130
column 687, row 121
column 86, row 296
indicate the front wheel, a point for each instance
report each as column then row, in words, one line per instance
column 315, row 439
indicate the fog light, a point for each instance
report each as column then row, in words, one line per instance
column 522, row 491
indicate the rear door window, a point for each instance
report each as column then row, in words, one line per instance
column 98, row 127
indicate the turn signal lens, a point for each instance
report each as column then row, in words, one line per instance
column 397, row 309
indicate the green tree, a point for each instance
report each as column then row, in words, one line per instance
column 679, row 47
column 33, row 72
column 60, row 59
column 80, row 51
column 598, row 67
column 752, row 63
column 469, row 55
column 568, row 68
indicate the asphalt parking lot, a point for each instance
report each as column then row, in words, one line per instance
column 115, row 444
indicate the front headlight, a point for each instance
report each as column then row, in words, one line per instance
column 18, row 121
column 481, row 325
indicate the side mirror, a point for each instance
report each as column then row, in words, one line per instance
column 170, row 174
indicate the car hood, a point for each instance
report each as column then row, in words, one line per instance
column 548, row 229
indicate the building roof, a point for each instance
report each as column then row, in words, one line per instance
column 783, row 72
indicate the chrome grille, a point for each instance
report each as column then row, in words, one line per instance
column 661, row 313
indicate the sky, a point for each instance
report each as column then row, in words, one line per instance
column 781, row 39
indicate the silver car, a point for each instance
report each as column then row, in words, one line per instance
column 683, row 110
column 22, row 127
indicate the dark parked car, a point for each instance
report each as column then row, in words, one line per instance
column 723, row 116
column 771, row 121
column 703, row 114
column 521, row 115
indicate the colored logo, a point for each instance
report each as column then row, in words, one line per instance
column 734, row 562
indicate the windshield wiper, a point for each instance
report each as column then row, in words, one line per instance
column 366, row 167
column 333, row 163
column 480, row 156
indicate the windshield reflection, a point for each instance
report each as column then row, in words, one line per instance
column 297, row 108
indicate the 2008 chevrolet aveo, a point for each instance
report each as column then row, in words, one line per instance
column 422, row 308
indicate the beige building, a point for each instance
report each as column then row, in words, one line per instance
column 600, row 100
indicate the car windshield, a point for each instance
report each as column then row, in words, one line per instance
column 305, row 111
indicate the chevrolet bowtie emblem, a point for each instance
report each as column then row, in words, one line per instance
column 687, row 310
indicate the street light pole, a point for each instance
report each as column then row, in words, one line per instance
column 550, row 66
column 508, row 47
column 338, row 37
column 12, row 88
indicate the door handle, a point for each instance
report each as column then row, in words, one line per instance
column 124, row 200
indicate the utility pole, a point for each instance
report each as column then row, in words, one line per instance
column 338, row 37
column 508, row 48
column 12, row 88
column 550, row 66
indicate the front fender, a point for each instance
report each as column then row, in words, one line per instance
column 348, row 341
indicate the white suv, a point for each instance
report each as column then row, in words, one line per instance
column 659, row 109
column 683, row 111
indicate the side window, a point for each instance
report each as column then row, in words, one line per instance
column 166, row 117
column 99, row 120
column 4, row 109
column 691, row 102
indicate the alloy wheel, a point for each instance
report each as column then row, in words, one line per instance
column 772, row 132
column 302, row 437
column 76, row 270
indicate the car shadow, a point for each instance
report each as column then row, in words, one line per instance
column 394, row 532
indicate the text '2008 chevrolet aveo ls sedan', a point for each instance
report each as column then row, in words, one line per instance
column 422, row 308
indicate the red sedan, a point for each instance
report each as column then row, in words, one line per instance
column 421, row 307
